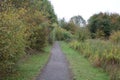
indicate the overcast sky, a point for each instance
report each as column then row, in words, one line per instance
column 85, row 8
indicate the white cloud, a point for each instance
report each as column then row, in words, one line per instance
column 85, row 8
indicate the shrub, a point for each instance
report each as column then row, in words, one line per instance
column 61, row 34
column 37, row 30
column 82, row 34
column 24, row 24
column 38, row 39
column 12, row 43
column 75, row 44
column 115, row 37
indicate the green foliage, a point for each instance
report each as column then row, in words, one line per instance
column 100, row 34
column 38, row 39
column 115, row 21
column 81, row 67
column 115, row 37
column 101, row 54
column 61, row 34
column 37, row 30
column 12, row 42
column 105, row 23
column 69, row 26
column 75, row 45
column 62, row 23
column 78, row 21
column 48, row 10
column 30, row 65
column 73, row 27
column 24, row 24
column 82, row 34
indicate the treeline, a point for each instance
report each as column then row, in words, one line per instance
column 24, row 25
column 98, row 40
column 103, row 24
column 74, row 29
column 99, row 26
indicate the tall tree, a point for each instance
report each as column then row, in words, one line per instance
column 48, row 10
column 78, row 20
column 104, row 23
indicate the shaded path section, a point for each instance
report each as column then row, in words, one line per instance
column 57, row 67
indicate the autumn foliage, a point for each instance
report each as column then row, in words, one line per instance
column 24, row 25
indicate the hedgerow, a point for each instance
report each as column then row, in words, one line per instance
column 24, row 25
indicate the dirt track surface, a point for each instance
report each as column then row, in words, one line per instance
column 57, row 67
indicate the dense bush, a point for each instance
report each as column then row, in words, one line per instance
column 24, row 24
column 62, row 34
column 12, row 42
column 82, row 34
column 105, row 23
column 38, row 39
column 115, row 37
column 36, row 30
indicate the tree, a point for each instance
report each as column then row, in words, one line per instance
column 48, row 10
column 69, row 26
column 100, row 22
column 78, row 20
column 115, row 21
column 104, row 22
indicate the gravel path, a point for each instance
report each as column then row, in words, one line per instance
column 57, row 67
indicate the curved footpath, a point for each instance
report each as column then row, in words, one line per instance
column 57, row 67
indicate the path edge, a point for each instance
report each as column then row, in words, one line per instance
column 44, row 66
column 68, row 64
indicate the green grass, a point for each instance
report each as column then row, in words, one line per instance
column 81, row 67
column 30, row 67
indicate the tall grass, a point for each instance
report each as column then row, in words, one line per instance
column 102, row 54
column 115, row 37
column 81, row 67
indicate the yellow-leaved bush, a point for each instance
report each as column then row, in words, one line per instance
column 115, row 37
column 12, row 42
column 37, row 30
column 23, row 26
column 61, row 34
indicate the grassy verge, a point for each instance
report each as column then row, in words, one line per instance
column 101, row 53
column 30, row 67
column 81, row 67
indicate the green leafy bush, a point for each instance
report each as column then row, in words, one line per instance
column 115, row 37
column 102, row 24
column 75, row 44
column 82, row 34
column 61, row 34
